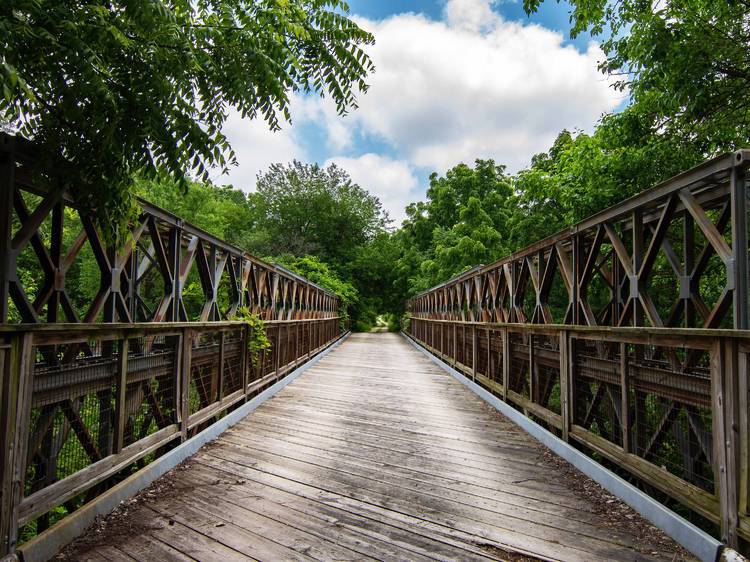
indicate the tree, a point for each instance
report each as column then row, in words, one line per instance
column 464, row 219
column 471, row 241
column 313, row 269
column 304, row 209
column 684, row 62
column 106, row 89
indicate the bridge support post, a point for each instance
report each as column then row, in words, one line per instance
column 455, row 344
column 506, row 363
column 121, row 388
column 220, row 374
column 474, row 353
column 565, row 384
column 624, row 394
column 16, row 372
column 724, row 390
column 184, row 382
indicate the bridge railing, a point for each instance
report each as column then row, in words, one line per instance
column 168, row 270
column 668, row 406
column 82, row 407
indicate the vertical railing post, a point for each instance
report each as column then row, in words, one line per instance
column 296, row 343
column 308, row 337
column 455, row 344
column 463, row 344
column 565, row 383
column 184, row 381
column 624, row 398
column 533, row 371
column 488, row 371
column 474, row 348
column 15, row 409
column 277, row 353
column 724, row 417
column 506, row 363
column 244, row 366
column 220, row 379
column 743, row 408
column 738, row 194
column 121, row 389
column 741, row 317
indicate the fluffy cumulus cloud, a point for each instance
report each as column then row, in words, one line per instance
column 393, row 181
column 471, row 85
column 477, row 86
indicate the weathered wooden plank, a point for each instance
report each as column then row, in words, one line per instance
column 363, row 531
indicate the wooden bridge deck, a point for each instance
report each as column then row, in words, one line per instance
column 374, row 453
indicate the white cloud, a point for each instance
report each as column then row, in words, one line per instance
column 392, row 181
column 472, row 15
column 257, row 148
column 473, row 86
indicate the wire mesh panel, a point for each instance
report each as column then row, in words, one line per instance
column 266, row 359
column 596, row 389
column 204, row 370
column 151, row 393
column 670, row 398
column 460, row 334
column 482, row 347
column 545, row 372
column 71, row 420
column 519, row 379
column 231, row 376
column 495, row 360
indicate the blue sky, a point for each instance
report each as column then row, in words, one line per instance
column 552, row 14
column 455, row 80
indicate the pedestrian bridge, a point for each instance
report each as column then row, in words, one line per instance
column 560, row 404
column 374, row 453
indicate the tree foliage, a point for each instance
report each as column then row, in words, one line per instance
column 304, row 209
column 461, row 224
column 684, row 63
column 107, row 89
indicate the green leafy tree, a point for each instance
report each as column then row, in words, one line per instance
column 472, row 241
column 107, row 89
column 684, row 62
column 320, row 273
column 463, row 220
column 303, row 209
column 372, row 271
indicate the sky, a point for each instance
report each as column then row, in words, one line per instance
column 455, row 80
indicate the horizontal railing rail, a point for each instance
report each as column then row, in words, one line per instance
column 83, row 407
column 668, row 407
